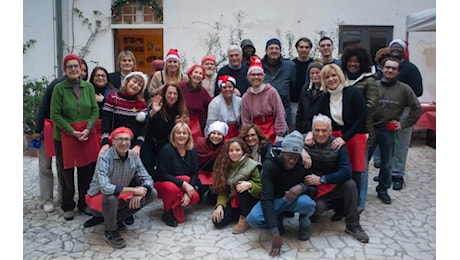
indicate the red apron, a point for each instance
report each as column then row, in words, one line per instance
column 95, row 202
column 324, row 189
column 48, row 137
column 205, row 177
column 232, row 131
column 267, row 125
column 76, row 153
column 195, row 127
column 356, row 149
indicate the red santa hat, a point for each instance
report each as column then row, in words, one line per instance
column 256, row 64
column 208, row 58
column 120, row 130
column 222, row 80
column 172, row 54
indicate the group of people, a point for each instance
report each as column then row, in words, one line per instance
column 260, row 138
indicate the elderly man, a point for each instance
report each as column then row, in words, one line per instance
column 283, row 191
column 332, row 176
column 236, row 69
column 110, row 197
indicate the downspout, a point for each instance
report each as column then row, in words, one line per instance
column 59, row 45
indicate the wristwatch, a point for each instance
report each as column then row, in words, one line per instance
column 322, row 180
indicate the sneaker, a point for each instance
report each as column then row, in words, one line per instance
column 48, row 207
column 358, row 233
column 280, row 224
column 129, row 220
column 93, row 222
column 69, row 215
column 337, row 216
column 169, row 219
column 384, row 197
column 304, row 233
column 398, row 183
column 121, row 227
column 114, row 239
column 376, row 178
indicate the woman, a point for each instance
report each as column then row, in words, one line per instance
column 257, row 142
column 347, row 109
column 126, row 63
column 226, row 107
column 171, row 74
column 102, row 86
column 262, row 105
column 309, row 98
column 84, row 70
column 166, row 110
column 176, row 177
column 197, row 99
column 236, row 178
column 126, row 108
column 207, row 150
column 359, row 71
column 74, row 112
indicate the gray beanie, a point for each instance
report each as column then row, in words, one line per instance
column 292, row 143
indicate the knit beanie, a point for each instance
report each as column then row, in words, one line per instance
column 208, row 58
column 172, row 54
column 68, row 57
column 400, row 42
column 222, row 127
column 256, row 64
column 158, row 64
column 120, row 130
column 314, row 65
column 292, row 143
column 136, row 73
column 273, row 41
column 222, row 80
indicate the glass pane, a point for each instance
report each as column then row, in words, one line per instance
column 351, row 37
column 378, row 38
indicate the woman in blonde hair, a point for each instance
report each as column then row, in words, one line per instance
column 176, row 177
column 126, row 63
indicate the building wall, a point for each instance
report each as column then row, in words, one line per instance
column 188, row 24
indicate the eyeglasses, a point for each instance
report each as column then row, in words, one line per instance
column 72, row 66
column 122, row 140
column 256, row 74
column 390, row 68
column 100, row 76
column 292, row 157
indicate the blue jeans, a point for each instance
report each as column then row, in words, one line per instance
column 364, row 185
column 386, row 141
column 303, row 204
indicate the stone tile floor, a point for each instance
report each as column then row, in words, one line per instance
column 404, row 230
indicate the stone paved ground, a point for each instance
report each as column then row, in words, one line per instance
column 404, row 230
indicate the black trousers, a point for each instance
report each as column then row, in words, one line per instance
column 246, row 200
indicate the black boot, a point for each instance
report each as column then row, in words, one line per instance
column 168, row 218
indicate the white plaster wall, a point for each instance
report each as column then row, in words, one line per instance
column 187, row 25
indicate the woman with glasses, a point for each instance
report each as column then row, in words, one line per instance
column 257, row 142
column 74, row 113
column 262, row 105
column 102, row 86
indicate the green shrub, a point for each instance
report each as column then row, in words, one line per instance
column 33, row 91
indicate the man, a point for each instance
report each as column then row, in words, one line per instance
column 235, row 69
column 209, row 81
column 395, row 96
column 326, row 47
column 332, row 176
column 303, row 47
column 45, row 172
column 281, row 74
column 248, row 51
column 410, row 75
column 110, row 197
column 283, row 191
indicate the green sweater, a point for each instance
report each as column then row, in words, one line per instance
column 245, row 170
column 67, row 108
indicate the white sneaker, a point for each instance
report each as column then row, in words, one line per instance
column 48, row 207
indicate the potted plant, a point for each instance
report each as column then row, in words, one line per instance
column 33, row 91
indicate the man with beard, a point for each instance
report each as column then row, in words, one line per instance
column 248, row 51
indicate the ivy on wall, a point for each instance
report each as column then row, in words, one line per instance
column 118, row 4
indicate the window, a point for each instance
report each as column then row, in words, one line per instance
column 371, row 37
column 136, row 13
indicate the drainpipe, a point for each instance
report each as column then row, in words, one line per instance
column 59, row 45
